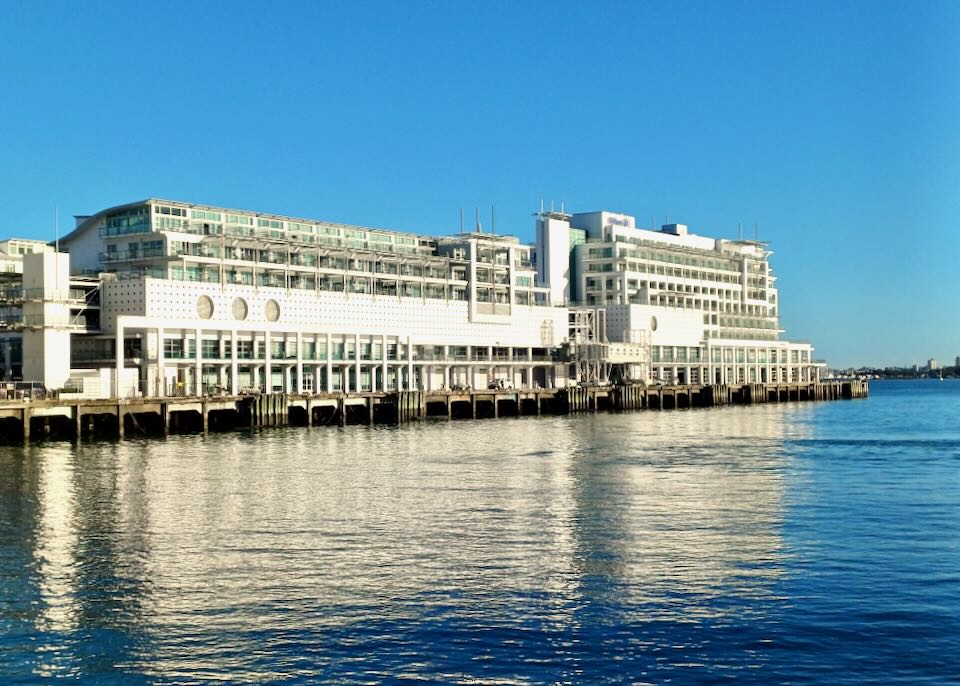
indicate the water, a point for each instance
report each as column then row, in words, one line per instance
column 801, row 543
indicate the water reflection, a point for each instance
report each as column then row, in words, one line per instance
column 430, row 549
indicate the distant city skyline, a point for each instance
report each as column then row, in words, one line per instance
column 930, row 364
column 831, row 127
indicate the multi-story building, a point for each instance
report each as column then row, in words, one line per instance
column 706, row 309
column 162, row 297
column 12, row 252
column 198, row 298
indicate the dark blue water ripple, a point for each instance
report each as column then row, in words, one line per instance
column 808, row 543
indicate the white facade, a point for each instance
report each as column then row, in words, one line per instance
column 202, row 298
column 708, row 307
column 553, row 255
column 46, row 318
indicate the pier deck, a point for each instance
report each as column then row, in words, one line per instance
column 113, row 418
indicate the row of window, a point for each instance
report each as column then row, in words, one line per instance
column 340, row 350
column 646, row 251
column 667, row 353
column 340, row 284
column 279, row 225
column 677, row 272
column 732, row 375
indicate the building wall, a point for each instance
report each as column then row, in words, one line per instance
column 425, row 320
column 664, row 325
column 553, row 257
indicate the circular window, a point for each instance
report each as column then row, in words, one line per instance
column 653, row 323
column 272, row 310
column 239, row 308
column 204, row 307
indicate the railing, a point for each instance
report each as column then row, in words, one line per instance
column 42, row 321
column 140, row 227
column 11, row 293
column 54, row 294
column 428, row 357
column 117, row 256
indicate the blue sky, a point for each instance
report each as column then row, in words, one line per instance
column 834, row 126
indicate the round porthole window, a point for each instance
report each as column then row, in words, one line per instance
column 239, row 308
column 272, row 310
column 204, row 307
column 653, row 323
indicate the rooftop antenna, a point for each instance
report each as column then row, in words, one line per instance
column 740, row 229
column 561, row 208
column 541, row 205
column 756, row 230
column 479, row 225
column 551, row 206
column 493, row 220
column 56, row 249
column 461, row 220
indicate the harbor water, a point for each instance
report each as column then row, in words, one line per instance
column 793, row 543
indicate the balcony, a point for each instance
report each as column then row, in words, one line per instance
column 138, row 227
column 117, row 256
column 59, row 295
column 38, row 321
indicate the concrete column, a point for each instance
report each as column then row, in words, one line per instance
column 356, row 356
column 118, row 362
column 234, row 365
column 410, row 385
column 446, row 377
column 383, row 363
column 222, row 376
column 268, row 363
column 26, row 414
column 329, row 363
column 159, row 385
column 198, row 366
column 299, row 362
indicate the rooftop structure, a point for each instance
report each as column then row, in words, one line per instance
column 12, row 251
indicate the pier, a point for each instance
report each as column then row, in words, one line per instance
column 79, row 419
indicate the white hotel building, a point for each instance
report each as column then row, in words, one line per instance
column 184, row 299
column 706, row 308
